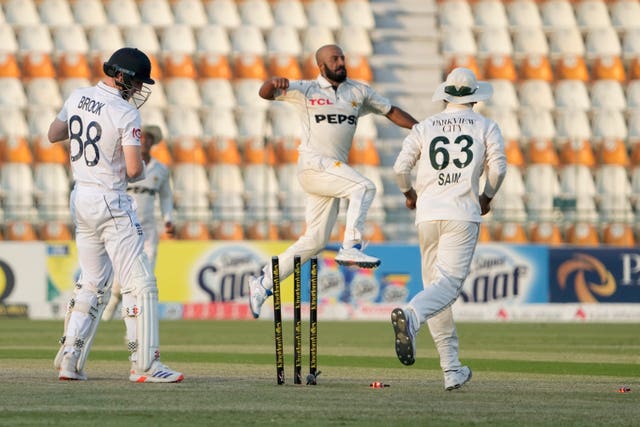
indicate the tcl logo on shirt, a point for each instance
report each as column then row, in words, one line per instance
column 320, row 101
column 336, row 119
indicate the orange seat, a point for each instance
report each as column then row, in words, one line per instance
column 46, row 152
column 162, row 153
column 582, row 234
column 263, row 230
column 500, row 67
column 194, row 230
column 214, row 66
column 484, row 234
column 337, row 233
column 572, row 68
column 21, row 231
column 248, row 66
column 613, row 152
column 466, row 61
column 179, row 65
column 309, row 68
column 542, row 151
column 256, row 153
column 156, row 69
column 513, row 152
column 9, row 65
column 16, row 149
column 635, row 154
column 188, row 150
column 74, row 65
column 292, row 230
column 536, row 67
column 37, row 64
column 546, row 233
column 285, row 66
column 634, row 69
column 363, row 152
column 286, row 150
column 56, row 231
column 510, row 232
column 577, row 152
column 617, row 234
column 372, row 232
column 228, row 230
column 609, row 68
column 223, row 150
column 358, row 68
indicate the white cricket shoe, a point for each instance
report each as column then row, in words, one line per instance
column 355, row 257
column 258, row 294
column 405, row 337
column 456, row 379
column 157, row 373
column 68, row 371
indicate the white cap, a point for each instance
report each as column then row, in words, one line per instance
column 462, row 87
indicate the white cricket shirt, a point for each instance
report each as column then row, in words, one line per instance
column 329, row 117
column 100, row 122
column 451, row 149
column 155, row 183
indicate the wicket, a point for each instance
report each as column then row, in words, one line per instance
column 297, row 320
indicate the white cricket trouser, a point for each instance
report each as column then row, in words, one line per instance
column 447, row 249
column 326, row 181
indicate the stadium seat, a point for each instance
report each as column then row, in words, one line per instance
column 507, row 120
column 162, row 153
column 52, row 186
column 542, row 152
column 572, row 124
column 536, row 67
column 577, row 151
column 217, row 93
column 625, row 15
column 89, row 13
column 228, row 207
column 572, row 94
column 547, row 233
column 508, row 204
column 490, row 14
column 618, row 234
column 356, row 13
column 183, row 121
column 213, row 38
column 608, row 125
column 536, row 123
column 228, row 230
column 542, row 185
column 219, row 124
column 224, row 13
column 182, row 92
column 577, row 182
column 285, row 66
column 284, row 40
column 262, row 192
column 123, row 13
column 529, row 41
column 455, row 14
column 103, row 41
column 354, row 41
column 16, row 149
column 21, row 12
column 156, row 12
column 194, row 230
column 144, row 37
column 44, row 91
column 17, row 189
column 178, row 38
column 314, row 37
column 249, row 66
column 536, row 94
column 70, row 39
column 247, row 39
column 592, row 14
column 12, row 93
column 37, row 65
column 73, row 65
column 484, row 235
column 55, row 13
column 582, row 234
column 290, row 13
column 188, row 150
column 256, row 13
column 557, row 14
column 190, row 12
column 608, row 95
column 323, row 12
column 212, row 65
column 292, row 230
column 504, row 95
column 262, row 230
column 523, row 14
column 20, row 230
column 57, row 230
column 510, row 232
column 614, row 191
column 191, row 192
column 8, row 39
column 514, row 153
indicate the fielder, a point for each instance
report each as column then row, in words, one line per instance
column 329, row 108
column 102, row 124
column 450, row 150
column 157, row 182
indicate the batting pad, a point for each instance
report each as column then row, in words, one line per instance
column 147, row 325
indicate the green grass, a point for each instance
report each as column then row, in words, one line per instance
column 524, row 375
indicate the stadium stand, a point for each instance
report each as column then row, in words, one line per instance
column 566, row 75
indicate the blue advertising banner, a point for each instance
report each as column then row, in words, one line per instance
column 594, row 275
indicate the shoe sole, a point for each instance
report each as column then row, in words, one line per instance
column 146, row 379
column 457, row 386
column 70, row 376
column 360, row 264
column 404, row 345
